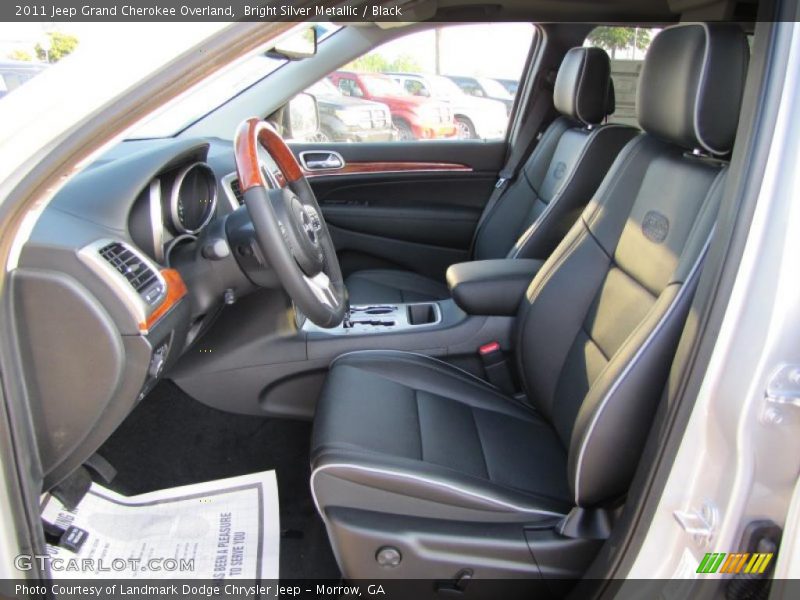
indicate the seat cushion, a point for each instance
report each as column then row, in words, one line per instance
column 404, row 433
column 379, row 286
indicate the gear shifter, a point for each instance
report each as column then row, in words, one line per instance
column 346, row 322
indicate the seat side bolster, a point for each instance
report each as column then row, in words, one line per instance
column 613, row 422
column 361, row 483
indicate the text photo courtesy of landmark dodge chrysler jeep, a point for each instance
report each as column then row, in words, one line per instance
column 475, row 117
column 414, row 118
column 349, row 119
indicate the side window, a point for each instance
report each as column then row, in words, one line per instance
column 416, row 88
column 410, row 88
column 627, row 47
column 472, row 88
column 350, row 87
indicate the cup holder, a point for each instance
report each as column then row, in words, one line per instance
column 421, row 314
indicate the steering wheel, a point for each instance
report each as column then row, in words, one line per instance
column 288, row 224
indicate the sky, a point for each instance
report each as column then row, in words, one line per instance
column 496, row 50
column 24, row 36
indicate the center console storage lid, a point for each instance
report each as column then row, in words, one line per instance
column 491, row 287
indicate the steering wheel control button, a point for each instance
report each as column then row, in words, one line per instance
column 301, row 226
column 388, row 557
column 311, row 223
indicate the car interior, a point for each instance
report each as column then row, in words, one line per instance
column 452, row 352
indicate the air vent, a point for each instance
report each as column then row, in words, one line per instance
column 237, row 191
column 139, row 274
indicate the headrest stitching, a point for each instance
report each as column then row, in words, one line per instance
column 585, row 59
column 701, row 84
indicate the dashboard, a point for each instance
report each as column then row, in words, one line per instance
column 114, row 285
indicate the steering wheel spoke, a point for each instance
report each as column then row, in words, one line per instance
column 320, row 285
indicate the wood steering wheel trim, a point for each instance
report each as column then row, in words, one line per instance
column 255, row 131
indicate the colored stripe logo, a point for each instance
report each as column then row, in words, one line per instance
column 734, row 563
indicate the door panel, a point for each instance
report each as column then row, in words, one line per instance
column 409, row 205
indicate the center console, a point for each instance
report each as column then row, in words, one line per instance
column 262, row 358
column 383, row 318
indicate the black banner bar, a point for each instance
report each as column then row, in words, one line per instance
column 321, row 10
column 203, row 10
column 389, row 589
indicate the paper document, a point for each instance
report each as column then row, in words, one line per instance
column 225, row 529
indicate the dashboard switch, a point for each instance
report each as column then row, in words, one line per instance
column 158, row 360
column 216, row 250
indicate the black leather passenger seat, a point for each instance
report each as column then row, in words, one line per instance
column 555, row 183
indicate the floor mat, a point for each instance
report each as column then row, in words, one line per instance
column 171, row 439
column 223, row 529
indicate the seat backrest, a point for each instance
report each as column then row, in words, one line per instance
column 565, row 168
column 600, row 322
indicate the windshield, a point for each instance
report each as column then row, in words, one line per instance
column 493, row 88
column 214, row 92
column 443, row 87
column 324, row 87
column 207, row 96
column 382, row 86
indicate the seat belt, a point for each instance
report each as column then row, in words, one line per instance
column 525, row 143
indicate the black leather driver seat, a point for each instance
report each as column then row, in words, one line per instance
column 542, row 203
column 413, row 454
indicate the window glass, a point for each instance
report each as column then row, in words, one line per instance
column 349, row 87
column 217, row 90
column 323, row 88
column 437, row 84
column 627, row 47
column 493, row 88
column 416, row 88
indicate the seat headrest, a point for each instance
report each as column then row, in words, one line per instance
column 581, row 91
column 690, row 89
column 611, row 98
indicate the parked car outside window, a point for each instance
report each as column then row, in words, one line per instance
column 484, row 87
column 414, row 117
column 511, row 85
column 350, row 118
column 475, row 117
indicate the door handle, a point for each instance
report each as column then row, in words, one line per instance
column 324, row 160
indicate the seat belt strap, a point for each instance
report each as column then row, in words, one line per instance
column 526, row 140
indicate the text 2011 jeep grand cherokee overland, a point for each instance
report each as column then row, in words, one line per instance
column 560, row 363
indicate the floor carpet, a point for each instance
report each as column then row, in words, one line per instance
column 170, row 439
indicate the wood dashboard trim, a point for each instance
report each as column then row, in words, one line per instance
column 176, row 289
